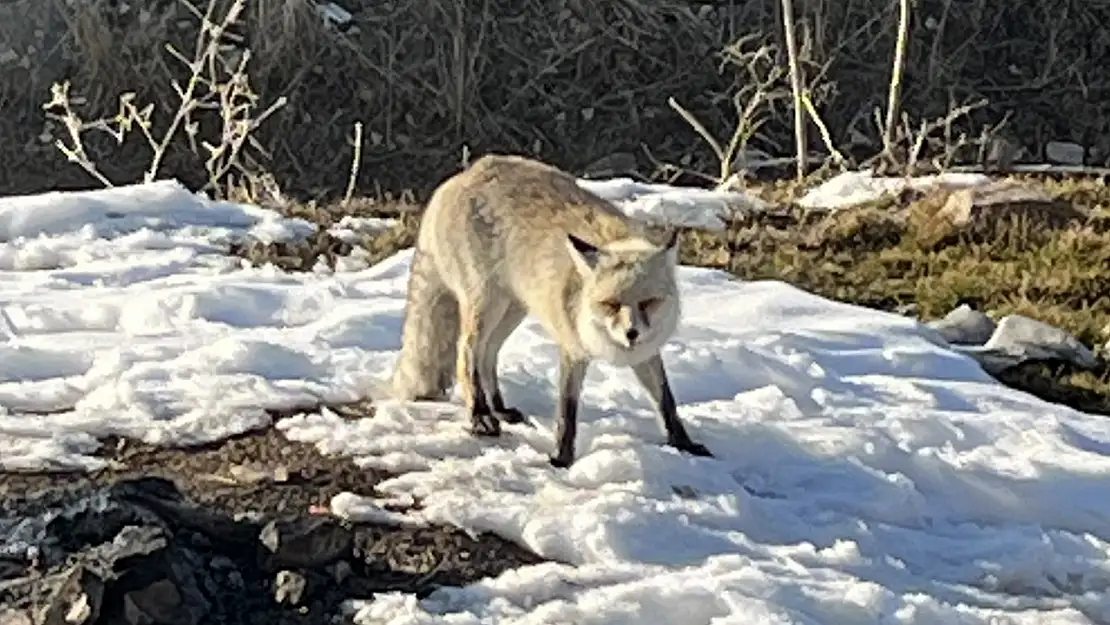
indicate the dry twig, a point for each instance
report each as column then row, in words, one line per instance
column 217, row 81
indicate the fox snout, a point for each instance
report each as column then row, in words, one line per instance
column 628, row 324
column 626, row 337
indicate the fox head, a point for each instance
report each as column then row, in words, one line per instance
column 629, row 302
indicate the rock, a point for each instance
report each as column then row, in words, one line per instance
column 161, row 579
column 305, row 542
column 280, row 474
column 81, row 611
column 1019, row 339
column 907, row 310
column 289, row 587
column 1065, row 152
column 611, row 166
column 245, row 474
column 131, row 544
column 92, row 522
column 1001, row 154
column 222, row 563
column 982, row 209
column 965, row 325
column 341, row 571
column 11, row 567
column 15, row 617
column 1040, row 340
column 76, row 601
column 124, row 564
column 157, row 604
column 139, row 551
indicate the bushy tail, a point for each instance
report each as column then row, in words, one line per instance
column 425, row 369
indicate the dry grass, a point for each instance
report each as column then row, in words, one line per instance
column 871, row 256
column 569, row 81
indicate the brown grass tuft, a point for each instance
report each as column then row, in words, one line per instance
column 934, row 220
column 856, row 230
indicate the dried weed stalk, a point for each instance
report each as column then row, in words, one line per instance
column 218, row 83
column 796, row 90
column 571, row 82
column 761, row 85
column 932, row 145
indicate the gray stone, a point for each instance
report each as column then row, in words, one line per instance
column 974, row 207
column 1001, row 153
column 614, row 165
column 1019, row 339
column 1065, row 152
column 341, row 571
column 289, row 587
column 159, row 603
column 138, row 551
column 907, row 310
column 965, row 326
column 15, row 617
column 76, row 601
column 305, row 542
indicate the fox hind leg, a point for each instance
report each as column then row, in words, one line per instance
column 474, row 335
column 501, row 326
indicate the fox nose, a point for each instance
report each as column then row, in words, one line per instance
column 632, row 334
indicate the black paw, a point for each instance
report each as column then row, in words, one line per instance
column 561, row 462
column 692, row 448
column 510, row 415
column 484, row 425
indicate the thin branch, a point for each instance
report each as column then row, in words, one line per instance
column 895, row 94
column 796, row 82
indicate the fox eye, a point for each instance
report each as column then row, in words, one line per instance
column 610, row 307
column 650, row 304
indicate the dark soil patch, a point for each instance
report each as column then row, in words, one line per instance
column 205, row 510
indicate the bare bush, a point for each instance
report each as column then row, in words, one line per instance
column 759, row 87
column 217, row 82
column 568, row 81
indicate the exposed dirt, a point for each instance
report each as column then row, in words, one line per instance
column 262, row 475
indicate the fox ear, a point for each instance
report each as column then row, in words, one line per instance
column 670, row 248
column 585, row 255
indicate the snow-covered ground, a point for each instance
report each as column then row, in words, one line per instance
column 864, row 472
column 689, row 206
column 859, row 187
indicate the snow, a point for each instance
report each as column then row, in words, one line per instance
column 350, row 229
column 853, row 188
column 864, row 472
column 688, row 206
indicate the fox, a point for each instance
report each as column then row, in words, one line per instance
column 511, row 236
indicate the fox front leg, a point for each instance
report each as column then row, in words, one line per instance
column 653, row 376
column 571, row 374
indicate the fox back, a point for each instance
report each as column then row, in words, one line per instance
column 512, row 227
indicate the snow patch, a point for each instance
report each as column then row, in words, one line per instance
column 864, row 472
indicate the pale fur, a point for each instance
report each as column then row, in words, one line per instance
column 493, row 247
